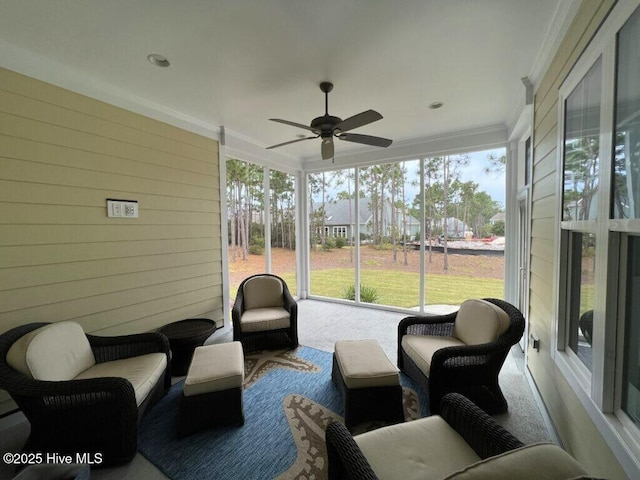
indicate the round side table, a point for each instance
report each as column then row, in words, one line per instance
column 184, row 336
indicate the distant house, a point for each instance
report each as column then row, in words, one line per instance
column 454, row 227
column 340, row 219
column 498, row 217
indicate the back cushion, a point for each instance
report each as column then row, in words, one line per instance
column 479, row 321
column 262, row 292
column 59, row 351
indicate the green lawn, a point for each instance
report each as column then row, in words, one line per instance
column 402, row 289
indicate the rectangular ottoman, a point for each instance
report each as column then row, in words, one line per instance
column 212, row 393
column 369, row 382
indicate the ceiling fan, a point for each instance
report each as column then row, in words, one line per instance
column 328, row 126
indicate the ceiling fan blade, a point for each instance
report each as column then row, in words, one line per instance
column 293, row 124
column 327, row 148
column 366, row 139
column 291, row 141
column 358, row 120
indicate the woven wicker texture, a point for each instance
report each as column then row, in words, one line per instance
column 270, row 339
column 84, row 416
column 470, row 369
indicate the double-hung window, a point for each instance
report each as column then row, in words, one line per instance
column 598, row 264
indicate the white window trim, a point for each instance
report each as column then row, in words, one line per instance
column 597, row 397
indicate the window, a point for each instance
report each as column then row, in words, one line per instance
column 625, row 207
column 580, row 295
column 598, row 267
column 581, row 148
column 340, row 232
column 626, row 184
column 630, row 403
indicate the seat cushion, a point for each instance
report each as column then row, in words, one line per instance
column 214, row 368
column 142, row 371
column 526, row 463
column 420, row 348
column 55, row 352
column 420, row 449
column 364, row 364
column 262, row 319
column 479, row 321
column 262, row 292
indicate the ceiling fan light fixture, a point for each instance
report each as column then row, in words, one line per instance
column 158, row 60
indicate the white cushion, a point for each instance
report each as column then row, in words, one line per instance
column 479, row 321
column 420, row 348
column 215, row 368
column 261, row 319
column 427, row 448
column 363, row 363
column 55, row 352
column 142, row 371
column 531, row 462
column 261, row 292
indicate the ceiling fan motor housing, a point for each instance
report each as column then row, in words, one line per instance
column 325, row 125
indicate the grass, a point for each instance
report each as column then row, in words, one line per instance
column 402, row 289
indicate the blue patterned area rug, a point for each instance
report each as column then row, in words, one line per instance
column 289, row 399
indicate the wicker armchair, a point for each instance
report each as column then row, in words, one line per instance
column 265, row 315
column 355, row 459
column 92, row 415
column 444, row 363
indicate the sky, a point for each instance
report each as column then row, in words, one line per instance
column 491, row 183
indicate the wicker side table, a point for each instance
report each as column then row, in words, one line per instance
column 184, row 336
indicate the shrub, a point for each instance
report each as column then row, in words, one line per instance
column 340, row 242
column 329, row 244
column 256, row 249
column 367, row 294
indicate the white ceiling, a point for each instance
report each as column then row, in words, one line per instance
column 236, row 63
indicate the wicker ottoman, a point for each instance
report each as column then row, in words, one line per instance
column 212, row 393
column 369, row 382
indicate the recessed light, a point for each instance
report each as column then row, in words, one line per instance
column 436, row 105
column 158, row 60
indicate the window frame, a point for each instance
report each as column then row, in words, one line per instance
column 599, row 391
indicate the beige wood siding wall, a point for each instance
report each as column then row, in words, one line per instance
column 575, row 428
column 61, row 156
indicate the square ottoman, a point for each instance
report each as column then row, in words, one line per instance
column 212, row 393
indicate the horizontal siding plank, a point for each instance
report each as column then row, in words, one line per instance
column 59, row 254
column 49, row 134
column 160, row 167
column 151, row 308
column 35, row 214
column 29, row 87
column 545, row 187
column 206, row 309
column 544, row 208
column 22, row 171
column 93, row 290
column 61, row 116
column 542, row 247
column 543, row 228
column 546, row 166
column 107, row 306
column 39, row 193
column 547, row 125
column 15, row 235
column 37, row 275
column 118, row 315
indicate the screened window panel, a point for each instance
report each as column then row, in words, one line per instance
column 581, row 148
